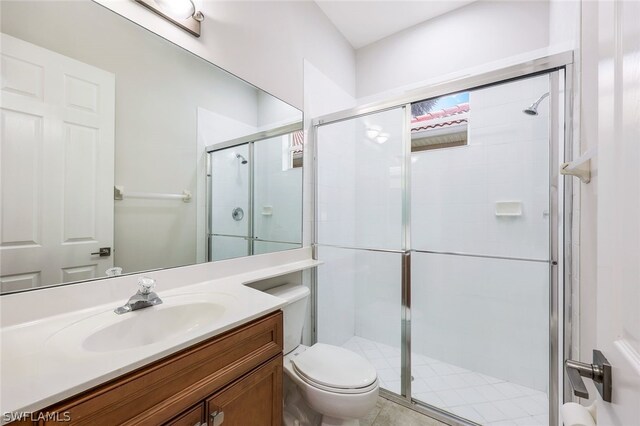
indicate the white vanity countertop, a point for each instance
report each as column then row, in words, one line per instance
column 36, row 374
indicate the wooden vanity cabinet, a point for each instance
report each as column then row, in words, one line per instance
column 249, row 401
column 231, row 379
column 194, row 416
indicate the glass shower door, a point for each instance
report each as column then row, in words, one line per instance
column 360, row 236
column 229, row 208
column 480, row 233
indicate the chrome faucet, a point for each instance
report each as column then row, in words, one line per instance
column 144, row 297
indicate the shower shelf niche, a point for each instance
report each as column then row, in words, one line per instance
column 508, row 208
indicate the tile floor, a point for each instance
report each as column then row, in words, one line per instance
column 474, row 396
column 388, row 413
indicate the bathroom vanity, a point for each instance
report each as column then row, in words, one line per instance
column 235, row 377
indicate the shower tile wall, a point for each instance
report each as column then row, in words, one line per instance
column 337, row 325
column 378, row 296
column 277, row 188
column 337, row 295
column 359, row 206
column 337, row 179
column 486, row 315
column 454, row 190
column 359, row 197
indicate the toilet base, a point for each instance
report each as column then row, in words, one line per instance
column 333, row 421
column 298, row 413
column 302, row 400
column 296, row 410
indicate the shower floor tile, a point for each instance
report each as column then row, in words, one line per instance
column 483, row 399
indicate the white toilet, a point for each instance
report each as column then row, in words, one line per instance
column 339, row 384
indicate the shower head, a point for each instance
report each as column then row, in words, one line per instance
column 533, row 108
column 241, row 158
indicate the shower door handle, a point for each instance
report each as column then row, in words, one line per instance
column 599, row 372
column 574, row 372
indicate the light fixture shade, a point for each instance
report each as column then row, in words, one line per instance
column 180, row 9
column 182, row 13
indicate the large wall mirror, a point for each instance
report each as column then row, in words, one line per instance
column 122, row 152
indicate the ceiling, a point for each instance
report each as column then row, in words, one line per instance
column 365, row 21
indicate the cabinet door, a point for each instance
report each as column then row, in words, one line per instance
column 192, row 417
column 255, row 400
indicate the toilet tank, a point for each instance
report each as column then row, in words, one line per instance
column 294, row 312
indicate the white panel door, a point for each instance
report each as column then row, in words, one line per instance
column 57, row 165
column 618, row 277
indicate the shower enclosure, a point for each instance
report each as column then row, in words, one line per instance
column 441, row 218
column 254, row 189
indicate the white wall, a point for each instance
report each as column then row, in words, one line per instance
column 263, row 42
column 272, row 112
column 482, row 32
column 564, row 23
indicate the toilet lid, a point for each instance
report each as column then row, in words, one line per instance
column 334, row 367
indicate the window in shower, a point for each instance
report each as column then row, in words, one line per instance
column 440, row 122
column 296, row 151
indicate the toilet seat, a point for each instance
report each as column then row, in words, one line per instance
column 335, row 369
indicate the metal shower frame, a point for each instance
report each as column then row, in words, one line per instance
column 560, row 226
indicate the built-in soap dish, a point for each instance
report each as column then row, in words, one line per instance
column 508, row 208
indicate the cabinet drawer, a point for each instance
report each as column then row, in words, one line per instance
column 193, row 417
column 156, row 393
column 253, row 400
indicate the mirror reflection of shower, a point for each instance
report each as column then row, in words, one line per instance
column 254, row 183
column 533, row 108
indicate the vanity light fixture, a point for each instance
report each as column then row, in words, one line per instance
column 182, row 13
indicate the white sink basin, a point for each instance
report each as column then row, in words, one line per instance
column 178, row 317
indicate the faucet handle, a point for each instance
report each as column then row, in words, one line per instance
column 146, row 285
